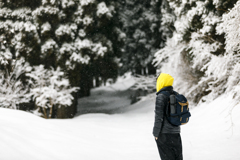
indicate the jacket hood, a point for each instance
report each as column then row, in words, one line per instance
column 164, row 80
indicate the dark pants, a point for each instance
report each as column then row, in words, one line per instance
column 170, row 146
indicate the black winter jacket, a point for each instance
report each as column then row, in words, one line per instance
column 161, row 124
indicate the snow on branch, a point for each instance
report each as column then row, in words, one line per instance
column 99, row 49
column 52, row 2
column 67, row 3
column 66, row 30
column 86, row 2
column 5, row 56
column 87, row 20
column 50, row 88
column 5, row 12
column 78, row 15
column 229, row 66
column 74, row 52
column 24, row 14
column 48, row 48
column 231, row 27
column 201, row 51
column 48, row 10
column 102, row 9
column 96, row 48
column 46, row 27
column 12, row 90
column 173, row 46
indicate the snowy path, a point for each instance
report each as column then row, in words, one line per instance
column 102, row 100
column 123, row 136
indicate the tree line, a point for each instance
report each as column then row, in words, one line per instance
column 60, row 49
column 54, row 51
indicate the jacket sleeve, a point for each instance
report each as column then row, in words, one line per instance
column 161, row 102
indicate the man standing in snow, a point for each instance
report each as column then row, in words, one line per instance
column 167, row 136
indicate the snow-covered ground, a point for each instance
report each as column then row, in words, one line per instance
column 212, row 133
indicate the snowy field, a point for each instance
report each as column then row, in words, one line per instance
column 213, row 133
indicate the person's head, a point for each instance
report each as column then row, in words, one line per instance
column 164, row 80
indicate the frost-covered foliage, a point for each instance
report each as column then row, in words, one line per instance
column 40, row 12
column 5, row 56
column 50, row 89
column 196, row 54
column 230, row 26
column 12, row 90
column 230, row 64
column 15, row 37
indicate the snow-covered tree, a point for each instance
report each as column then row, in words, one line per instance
column 50, row 90
column 12, row 90
column 196, row 53
column 229, row 66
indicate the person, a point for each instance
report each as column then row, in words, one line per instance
column 167, row 136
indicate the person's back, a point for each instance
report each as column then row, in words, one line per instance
column 167, row 136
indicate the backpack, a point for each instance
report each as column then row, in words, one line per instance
column 177, row 111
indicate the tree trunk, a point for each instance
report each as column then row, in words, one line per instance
column 146, row 70
column 51, row 108
column 45, row 113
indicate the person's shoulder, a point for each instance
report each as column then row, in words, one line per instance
column 163, row 94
